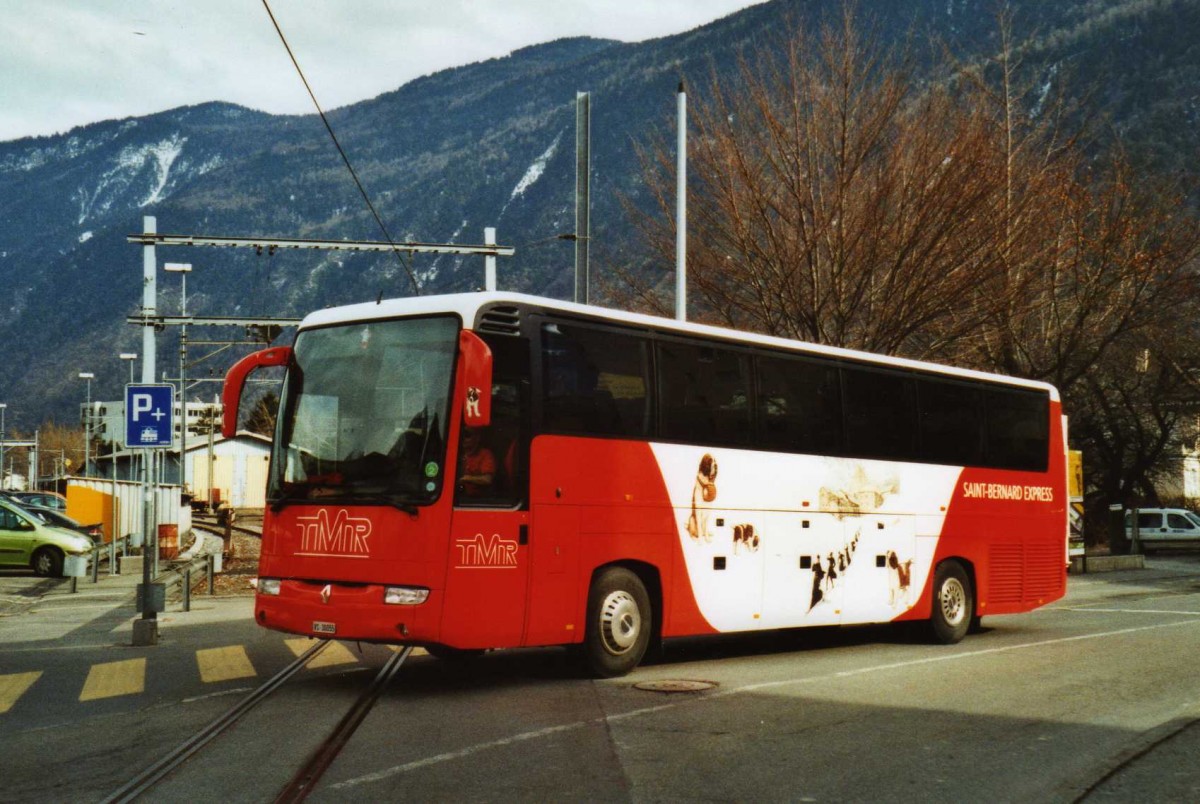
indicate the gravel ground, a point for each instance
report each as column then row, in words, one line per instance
column 241, row 569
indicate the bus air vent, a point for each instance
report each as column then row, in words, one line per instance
column 501, row 321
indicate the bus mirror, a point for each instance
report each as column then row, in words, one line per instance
column 235, row 380
column 477, row 379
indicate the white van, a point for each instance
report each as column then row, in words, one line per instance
column 1162, row 527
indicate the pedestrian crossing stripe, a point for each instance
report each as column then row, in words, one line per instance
column 334, row 654
column 113, row 679
column 224, row 664
column 215, row 665
column 13, row 686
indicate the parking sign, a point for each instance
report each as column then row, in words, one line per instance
column 149, row 415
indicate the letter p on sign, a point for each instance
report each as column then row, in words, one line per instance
column 141, row 404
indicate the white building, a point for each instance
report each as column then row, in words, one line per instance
column 237, row 470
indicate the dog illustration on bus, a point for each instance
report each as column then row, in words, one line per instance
column 704, row 491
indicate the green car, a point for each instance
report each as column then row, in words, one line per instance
column 26, row 542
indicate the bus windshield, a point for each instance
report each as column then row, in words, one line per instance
column 363, row 414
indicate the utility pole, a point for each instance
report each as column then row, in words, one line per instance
column 183, row 269
column 681, row 207
column 3, row 407
column 149, row 299
column 583, row 195
column 87, row 423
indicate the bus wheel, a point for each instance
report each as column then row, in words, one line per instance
column 449, row 654
column 953, row 603
column 618, row 623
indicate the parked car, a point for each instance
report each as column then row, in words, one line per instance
column 52, row 516
column 26, row 541
column 1162, row 527
column 44, row 499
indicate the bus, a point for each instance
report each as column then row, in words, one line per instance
column 492, row 470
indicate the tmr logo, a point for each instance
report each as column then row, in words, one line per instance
column 490, row 553
column 345, row 535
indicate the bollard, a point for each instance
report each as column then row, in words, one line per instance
column 211, row 567
column 96, row 564
column 227, row 548
column 187, row 588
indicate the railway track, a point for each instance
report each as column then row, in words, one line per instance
column 210, row 524
column 310, row 770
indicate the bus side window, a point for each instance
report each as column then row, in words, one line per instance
column 881, row 416
column 1018, row 429
column 594, row 381
column 799, row 405
column 951, row 422
column 704, row 394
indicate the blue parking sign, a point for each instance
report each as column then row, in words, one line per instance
column 149, row 415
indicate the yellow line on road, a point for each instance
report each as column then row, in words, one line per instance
column 13, row 686
column 111, row 679
column 224, row 664
column 335, row 654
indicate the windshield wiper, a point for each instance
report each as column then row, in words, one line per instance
column 386, row 499
column 278, row 504
column 328, row 495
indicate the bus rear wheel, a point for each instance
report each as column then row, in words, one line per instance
column 618, row 623
column 953, row 603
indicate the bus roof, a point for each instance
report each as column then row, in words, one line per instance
column 468, row 305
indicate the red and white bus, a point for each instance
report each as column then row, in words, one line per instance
column 493, row 470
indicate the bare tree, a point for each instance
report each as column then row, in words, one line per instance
column 834, row 199
column 1078, row 253
column 262, row 416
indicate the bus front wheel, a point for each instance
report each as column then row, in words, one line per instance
column 953, row 603
column 618, row 624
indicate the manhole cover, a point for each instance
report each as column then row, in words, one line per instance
column 675, row 686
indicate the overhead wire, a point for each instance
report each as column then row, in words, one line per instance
column 362, row 191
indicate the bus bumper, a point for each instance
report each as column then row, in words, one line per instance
column 347, row 611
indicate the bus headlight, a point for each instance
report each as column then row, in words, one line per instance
column 405, row 595
column 268, row 586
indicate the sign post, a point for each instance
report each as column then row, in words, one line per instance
column 149, row 424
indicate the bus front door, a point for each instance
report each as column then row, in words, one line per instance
column 486, row 579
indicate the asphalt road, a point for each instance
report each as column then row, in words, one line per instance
column 1094, row 698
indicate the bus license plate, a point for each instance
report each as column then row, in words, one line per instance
column 324, row 628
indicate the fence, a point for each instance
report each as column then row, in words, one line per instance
column 118, row 504
column 180, row 575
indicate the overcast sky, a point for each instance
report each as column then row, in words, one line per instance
column 65, row 63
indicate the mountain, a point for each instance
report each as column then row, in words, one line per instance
column 442, row 157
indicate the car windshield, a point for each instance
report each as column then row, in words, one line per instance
column 363, row 413
column 1195, row 520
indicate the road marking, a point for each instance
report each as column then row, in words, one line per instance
column 335, row 654
column 1134, row 611
column 13, row 686
column 224, row 664
column 501, row 742
column 221, row 694
column 112, row 679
